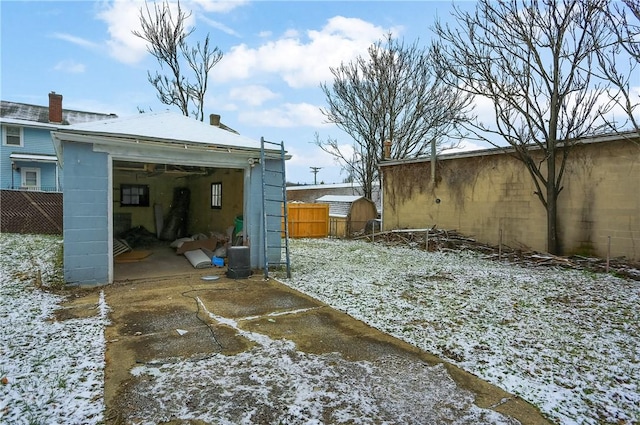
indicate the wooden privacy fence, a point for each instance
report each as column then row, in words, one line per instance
column 308, row 220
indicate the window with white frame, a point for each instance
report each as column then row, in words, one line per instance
column 134, row 195
column 30, row 177
column 12, row 135
column 216, row 195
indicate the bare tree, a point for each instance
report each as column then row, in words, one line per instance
column 623, row 19
column 166, row 33
column 393, row 94
column 534, row 61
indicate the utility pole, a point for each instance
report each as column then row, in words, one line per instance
column 315, row 170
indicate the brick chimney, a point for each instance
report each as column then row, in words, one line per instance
column 386, row 149
column 214, row 120
column 55, row 108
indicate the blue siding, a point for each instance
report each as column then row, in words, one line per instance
column 253, row 217
column 86, row 221
column 34, row 141
column 37, row 140
column 256, row 215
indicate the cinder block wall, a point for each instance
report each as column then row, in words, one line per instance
column 86, row 223
column 483, row 195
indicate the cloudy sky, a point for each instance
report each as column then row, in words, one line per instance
column 276, row 54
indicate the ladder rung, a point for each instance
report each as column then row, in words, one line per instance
column 273, row 222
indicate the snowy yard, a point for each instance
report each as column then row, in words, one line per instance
column 51, row 372
column 567, row 341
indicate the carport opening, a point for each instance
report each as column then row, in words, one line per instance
column 154, row 205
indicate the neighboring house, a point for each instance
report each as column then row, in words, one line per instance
column 348, row 214
column 27, row 158
column 309, row 193
column 490, row 196
column 136, row 169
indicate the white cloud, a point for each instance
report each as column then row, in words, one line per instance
column 302, row 61
column 78, row 41
column 252, row 95
column 219, row 6
column 303, row 157
column 123, row 17
column 618, row 114
column 466, row 146
column 218, row 25
column 291, row 33
column 286, row 115
column 70, row 66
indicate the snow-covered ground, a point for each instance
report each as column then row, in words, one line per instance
column 52, row 372
column 567, row 341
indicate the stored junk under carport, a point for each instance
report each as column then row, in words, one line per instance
column 159, row 177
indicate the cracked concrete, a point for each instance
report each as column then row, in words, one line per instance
column 227, row 318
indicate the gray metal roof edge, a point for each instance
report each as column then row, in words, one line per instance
column 601, row 138
column 64, row 110
column 28, row 123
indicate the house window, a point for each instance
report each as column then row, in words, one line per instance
column 216, row 195
column 134, row 195
column 30, row 178
column 12, row 136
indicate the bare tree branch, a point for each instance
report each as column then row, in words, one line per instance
column 166, row 34
column 392, row 94
column 534, row 60
column 618, row 59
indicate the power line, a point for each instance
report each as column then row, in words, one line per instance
column 315, row 170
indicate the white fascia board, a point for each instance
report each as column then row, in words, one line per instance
column 166, row 152
column 131, row 142
column 188, row 157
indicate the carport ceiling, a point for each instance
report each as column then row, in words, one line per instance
column 153, row 169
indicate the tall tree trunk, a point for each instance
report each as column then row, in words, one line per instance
column 552, row 202
column 552, row 230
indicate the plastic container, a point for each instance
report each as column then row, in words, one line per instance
column 217, row 261
column 239, row 262
column 238, row 224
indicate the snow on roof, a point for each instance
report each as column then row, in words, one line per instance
column 339, row 205
column 339, row 198
column 167, row 126
column 24, row 113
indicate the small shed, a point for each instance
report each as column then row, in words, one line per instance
column 348, row 214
